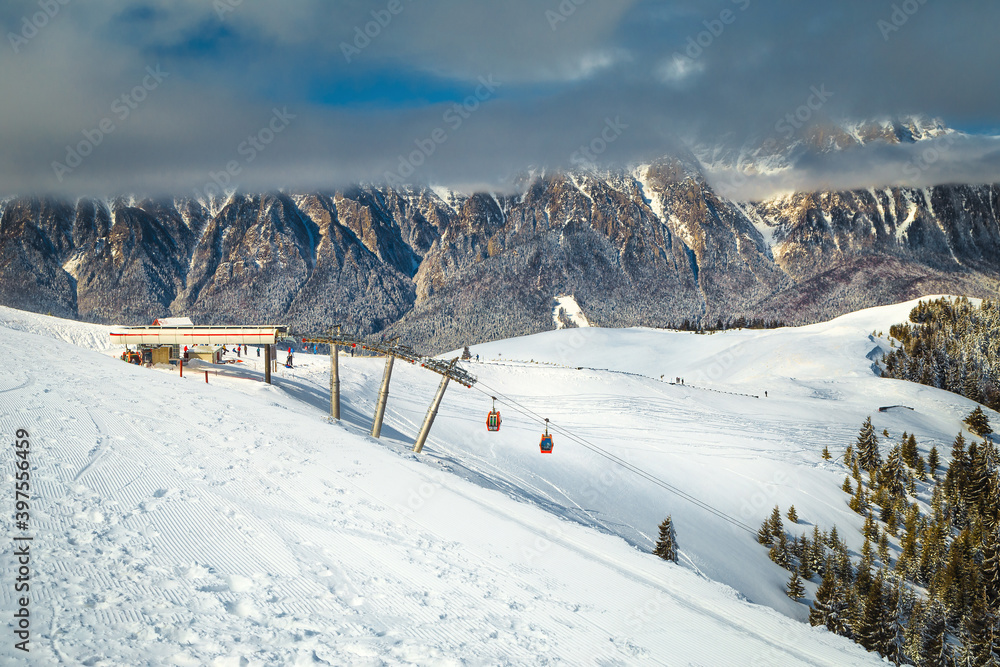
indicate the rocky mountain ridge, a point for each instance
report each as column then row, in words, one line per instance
column 648, row 246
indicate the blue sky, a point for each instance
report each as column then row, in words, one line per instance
column 676, row 73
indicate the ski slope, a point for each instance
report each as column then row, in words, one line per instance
column 229, row 523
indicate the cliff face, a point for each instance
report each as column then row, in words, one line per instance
column 649, row 246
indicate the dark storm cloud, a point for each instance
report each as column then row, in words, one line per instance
column 189, row 96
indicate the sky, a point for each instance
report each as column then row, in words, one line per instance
column 193, row 97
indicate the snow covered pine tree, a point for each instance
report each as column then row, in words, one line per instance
column 666, row 545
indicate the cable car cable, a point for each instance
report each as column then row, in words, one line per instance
column 618, row 460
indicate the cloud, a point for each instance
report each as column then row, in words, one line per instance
column 366, row 85
column 950, row 159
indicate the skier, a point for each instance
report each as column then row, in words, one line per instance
column 288, row 361
column 765, row 393
column 258, row 350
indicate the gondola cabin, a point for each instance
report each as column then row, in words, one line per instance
column 545, row 444
column 493, row 421
column 493, row 418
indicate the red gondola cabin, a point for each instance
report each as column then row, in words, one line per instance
column 545, row 444
column 493, row 421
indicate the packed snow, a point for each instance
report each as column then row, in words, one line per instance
column 231, row 523
column 566, row 308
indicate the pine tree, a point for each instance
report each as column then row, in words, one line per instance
column 934, row 647
column 897, row 604
column 826, row 453
column 980, row 646
column 816, row 552
column 908, row 448
column 874, row 629
column 893, row 475
column 891, row 522
column 906, row 565
column 990, row 572
column 764, row 535
column 955, row 478
column 844, row 567
column 858, row 501
column 666, row 545
column 979, row 479
column 846, row 487
column 828, row 608
column 883, row 548
column 868, row 454
column 795, row 589
column 978, row 422
column 933, row 461
column 793, row 515
column 870, row 529
column 805, row 567
column 779, row 552
column 777, row 528
column 913, row 633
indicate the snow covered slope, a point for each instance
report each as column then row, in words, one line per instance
column 565, row 310
column 182, row 523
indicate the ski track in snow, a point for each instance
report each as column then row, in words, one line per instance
column 232, row 523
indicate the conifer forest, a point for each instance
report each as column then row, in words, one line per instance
column 925, row 588
column 952, row 345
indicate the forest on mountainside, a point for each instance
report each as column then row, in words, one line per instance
column 952, row 345
column 925, row 587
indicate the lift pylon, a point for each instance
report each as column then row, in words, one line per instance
column 392, row 351
column 334, row 377
column 383, row 396
column 425, row 430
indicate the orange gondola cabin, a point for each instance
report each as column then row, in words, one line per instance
column 493, row 418
column 493, row 421
column 545, row 445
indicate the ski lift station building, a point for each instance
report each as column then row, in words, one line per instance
column 166, row 337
